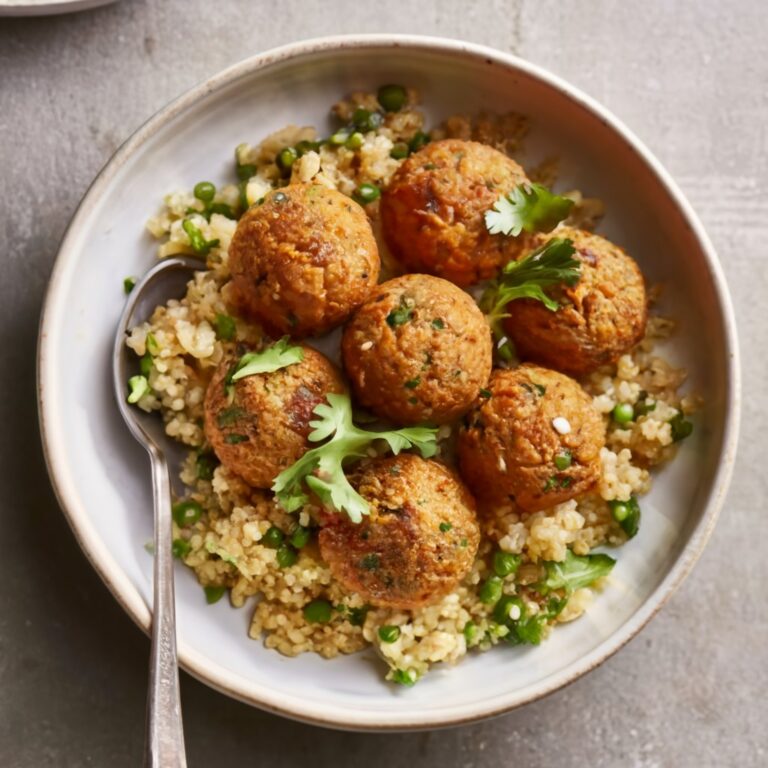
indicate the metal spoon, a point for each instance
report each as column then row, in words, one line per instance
column 165, row 736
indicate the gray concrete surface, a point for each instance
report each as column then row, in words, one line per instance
column 689, row 77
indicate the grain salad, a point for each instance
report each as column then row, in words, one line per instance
column 518, row 558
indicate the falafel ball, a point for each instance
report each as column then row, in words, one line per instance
column 602, row 317
column 258, row 425
column 419, row 350
column 419, row 540
column 303, row 260
column 535, row 440
column 433, row 211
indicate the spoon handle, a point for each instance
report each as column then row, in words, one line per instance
column 165, row 735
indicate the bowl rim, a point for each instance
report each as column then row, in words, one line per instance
column 234, row 685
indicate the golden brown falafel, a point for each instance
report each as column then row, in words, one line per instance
column 433, row 210
column 258, row 425
column 419, row 540
column 602, row 317
column 418, row 351
column 303, row 260
column 535, row 440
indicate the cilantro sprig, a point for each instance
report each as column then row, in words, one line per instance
column 528, row 207
column 574, row 572
column 550, row 265
column 280, row 355
column 321, row 470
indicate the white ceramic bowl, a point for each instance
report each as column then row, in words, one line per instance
column 101, row 475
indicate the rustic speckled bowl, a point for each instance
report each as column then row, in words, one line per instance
column 101, row 475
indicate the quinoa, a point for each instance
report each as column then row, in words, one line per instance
column 228, row 546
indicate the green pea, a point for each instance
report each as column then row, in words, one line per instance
column 355, row 141
column 503, row 609
column 287, row 157
column 623, row 413
column 145, row 364
column 389, row 633
column 300, row 537
column 213, row 594
column 681, row 427
column 286, row 556
column 273, row 538
column 245, row 172
column 180, row 548
column 206, row 464
column 186, row 512
column 627, row 515
column 151, row 344
column 205, row 191
column 404, row 677
column 307, row 146
column 419, row 140
column 365, row 121
column 392, row 97
column 366, row 193
column 471, row 631
column 505, row 564
column 340, row 137
column 225, row 327
column 563, row 460
column 619, row 510
column 491, row 591
column 318, row 611
column 400, row 151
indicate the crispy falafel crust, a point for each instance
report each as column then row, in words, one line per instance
column 419, row 540
column 419, row 350
column 433, row 210
column 602, row 317
column 510, row 440
column 303, row 260
column 262, row 428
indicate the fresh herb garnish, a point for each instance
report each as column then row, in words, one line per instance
column 575, row 572
column 128, row 284
column 199, row 244
column 486, row 393
column 400, row 315
column 529, row 207
column 370, row 562
column 551, row 264
column 445, row 527
column 681, row 427
column 225, row 327
column 138, row 386
column 321, row 468
column 627, row 515
column 180, row 548
column 280, row 355
column 213, row 594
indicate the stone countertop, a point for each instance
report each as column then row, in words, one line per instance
column 689, row 77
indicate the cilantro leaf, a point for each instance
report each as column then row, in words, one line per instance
column 529, row 207
column 321, row 468
column 550, row 265
column 575, row 572
column 280, row 355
